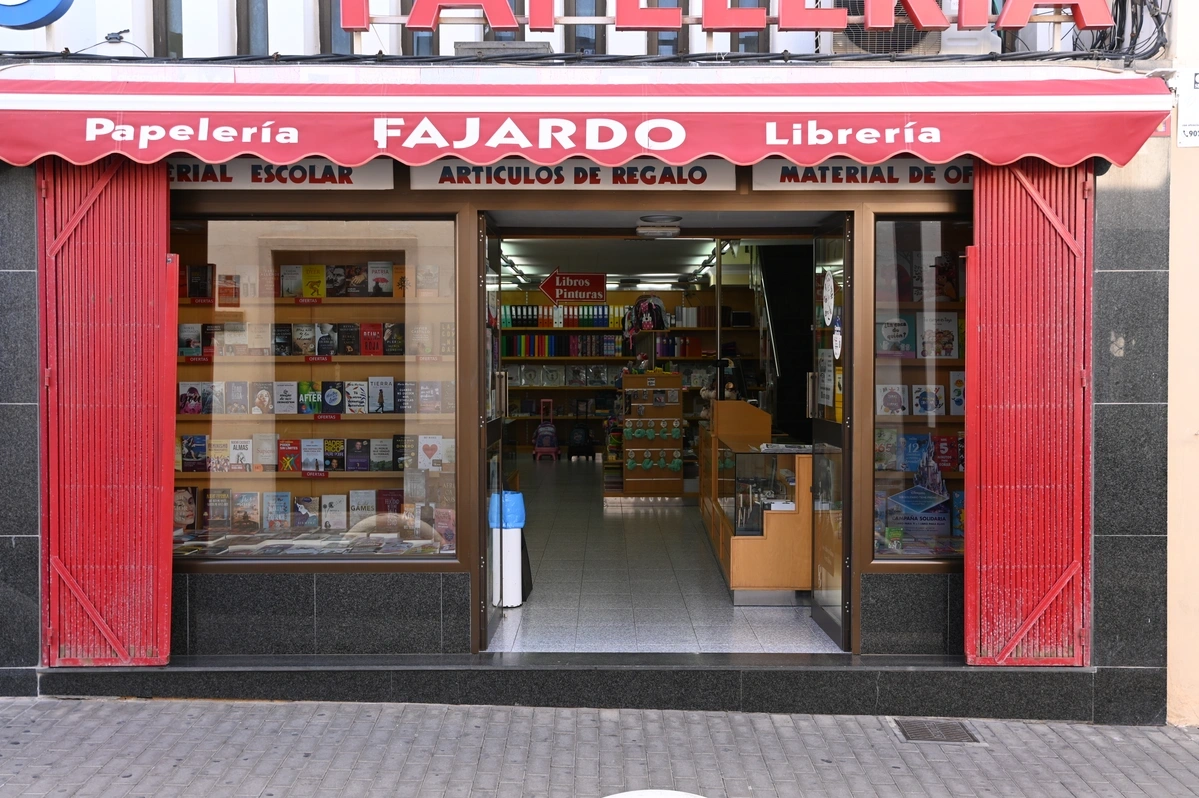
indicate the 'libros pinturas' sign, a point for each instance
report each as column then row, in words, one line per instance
column 639, row 174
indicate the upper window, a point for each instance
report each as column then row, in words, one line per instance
column 168, row 28
column 668, row 42
column 252, row 32
column 756, row 41
column 418, row 42
column 585, row 39
column 335, row 40
column 518, row 35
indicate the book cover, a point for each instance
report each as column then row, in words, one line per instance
column 401, row 280
column 576, row 376
column 444, row 523
column 303, row 339
column 892, row 279
column 189, row 340
column 448, row 338
column 308, row 397
column 380, row 454
column 194, row 452
column 266, row 451
column 348, row 339
column 957, row 517
column 945, row 452
column 335, row 454
column 291, row 281
column 259, row 336
column 886, row 449
column 326, row 339
column 217, row 508
column 200, row 279
column 430, row 396
column 281, row 338
column 370, row 337
column 285, row 397
column 206, row 398
column 891, row 400
column 961, row 450
column 246, row 515
column 333, row 511
column 403, row 452
column 946, row 274
column 313, row 281
column 178, row 454
column 416, row 485
column 428, row 453
column 381, row 394
column 276, row 510
column 912, row 449
column 333, row 396
column 312, row 454
column 305, row 511
column 234, row 338
column 428, row 279
column 362, row 507
column 190, row 403
column 449, row 396
column 186, row 516
column 241, row 454
column 928, row 400
column 389, row 506
column 335, row 281
column 218, row 454
column 597, row 376
column 228, row 290
column 553, row 376
column 356, row 397
column 449, row 452
column 237, row 397
column 379, row 278
column 218, row 398
column 358, row 454
column 289, row 454
column 268, row 280
column 937, row 334
column 895, row 335
column 393, row 338
column 419, row 339
column 406, row 394
column 262, row 398
column 357, row 282
column 957, row 393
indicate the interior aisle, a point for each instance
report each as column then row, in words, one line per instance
column 630, row 579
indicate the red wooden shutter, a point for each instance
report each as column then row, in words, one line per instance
column 1028, row 422
column 109, row 309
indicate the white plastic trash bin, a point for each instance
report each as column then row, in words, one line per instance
column 506, row 590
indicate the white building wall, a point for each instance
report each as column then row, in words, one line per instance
column 85, row 26
column 209, row 28
column 293, row 27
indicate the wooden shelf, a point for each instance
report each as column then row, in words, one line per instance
column 922, row 420
column 907, row 474
column 242, row 418
column 570, row 330
column 562, row 388
column 925, row 306
column 305, row 359
column 381, row 475
column 921, row 362
column 315, row 301
column 564, row 417
column 579, row 359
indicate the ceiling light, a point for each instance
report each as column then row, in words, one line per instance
column 660, row 218
column 657, row 231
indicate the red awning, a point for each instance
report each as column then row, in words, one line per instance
column 352, row 114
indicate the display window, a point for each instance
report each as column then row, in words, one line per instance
column 920, row 387
column 316, row 389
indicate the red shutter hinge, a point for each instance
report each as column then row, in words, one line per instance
column 1084, row 637
column 42, row 186
column 1086, row 379
column 49, row 377
column 1088, row 188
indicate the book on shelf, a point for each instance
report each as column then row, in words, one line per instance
column 349, row 340
column 393, row 338
column 333, row 511
column 333, row 396
column 303, row 339
column 335, row 454
column 403, row 452
column 262, row 398
column 358, row 454
column 380, row 455
column 389, row 506
column 912, row 450
column 957, row 518
column 313, row 281
column 246, row 512
column 961, row 450
column 285, row 398
column 449, row 396
column 190, row 403
column 370, row 336
column 291, row 281
column 406, row 393
column 357, row 283
column 194, row 453
column 211, row 333
column 419, row 339
column 259, row 337
column 886, row 446
column 356, row 397
column 895, row 335
column 218, row 454
column 448, row 338
column 266, row 451
column 597, row 376
column 234, row 339
column 308, row 397
column 939, row 282
column 269, row 280
column 891, row 400
column 189, row 340
column 428, row 279
column 326, row 339
column 957, row 393
column 276, row 510
column 449, row 453
column 306, row 511
column 937, row 334
column 312, row 454
column 228, row 290
column 445, row 522
column 553, row 376
column 415, row 485
column 928, row 400
column 945, row 452
column 428, row 453
column 289, row 454
column 201, row 278
column 531, row 376
column 217, row 508
column 187, row 516
column 362, row 507
column 216, row 397
column 241, row 454
column 381, row 392
column 237, row 397
column 335, row 281
column 430, row 396
column 380, row 278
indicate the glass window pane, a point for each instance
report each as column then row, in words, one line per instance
column 585, row 38
column 422, row 42
column 919, row 384
column 317, row 390
column 174, row 27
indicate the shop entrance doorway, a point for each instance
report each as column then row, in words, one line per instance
column 655, row 391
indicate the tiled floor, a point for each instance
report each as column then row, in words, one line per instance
column 631, row 579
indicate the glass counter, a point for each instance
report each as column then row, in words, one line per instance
column 754, row 478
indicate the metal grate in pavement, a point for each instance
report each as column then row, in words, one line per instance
column 918, row 730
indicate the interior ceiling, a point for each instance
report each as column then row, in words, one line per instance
column 693, row 222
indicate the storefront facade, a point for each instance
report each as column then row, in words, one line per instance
column 1053, row 500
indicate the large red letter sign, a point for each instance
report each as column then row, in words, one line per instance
column 924, row 14
column 355, row 15
column 719, row 17
column 1087, row 13
column 973, row 14
column 541, row 15
column 795, row 15
column 497, row 13
column 631, row 16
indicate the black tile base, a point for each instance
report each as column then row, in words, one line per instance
column 18, row 682
column 1130, row 696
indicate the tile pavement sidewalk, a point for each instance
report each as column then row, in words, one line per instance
column 217, row 748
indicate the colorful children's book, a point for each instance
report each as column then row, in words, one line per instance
column 937, row 334
column 891, row 400
column 928, row 400
column 895, row 335
column 912, row 449
column 945, row 452
column 957, row 393
column 886, row 445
